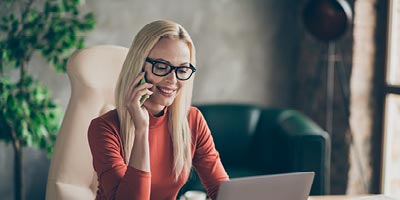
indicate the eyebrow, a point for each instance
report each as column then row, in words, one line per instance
column 166, row 61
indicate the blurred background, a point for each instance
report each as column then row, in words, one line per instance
column 260, row 52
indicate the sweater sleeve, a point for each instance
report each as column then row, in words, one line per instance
column 206, row 159
column 116, row 179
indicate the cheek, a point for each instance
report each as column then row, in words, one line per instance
column 180, row 84
column 180, row 87
column 152, row 78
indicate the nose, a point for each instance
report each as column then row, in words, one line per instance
column 171, row 77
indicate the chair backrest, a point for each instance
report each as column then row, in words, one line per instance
column 243, row 121
column 93, row 73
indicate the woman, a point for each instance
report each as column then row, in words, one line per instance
column 146, row 151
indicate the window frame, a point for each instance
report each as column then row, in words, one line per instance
column 393, row 18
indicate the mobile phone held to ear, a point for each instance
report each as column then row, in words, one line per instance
column 146, row 96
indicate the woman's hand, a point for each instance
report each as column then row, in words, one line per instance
column 139, row 113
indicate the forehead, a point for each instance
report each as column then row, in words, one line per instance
column 175, row 51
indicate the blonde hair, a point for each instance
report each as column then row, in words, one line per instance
column 178, row 125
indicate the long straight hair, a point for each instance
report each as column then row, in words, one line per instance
column 178, row 125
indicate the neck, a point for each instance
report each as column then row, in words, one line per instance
column 155, row 110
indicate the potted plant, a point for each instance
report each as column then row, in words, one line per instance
column 28, row 115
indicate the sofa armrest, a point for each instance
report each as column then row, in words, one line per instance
column 297, row 144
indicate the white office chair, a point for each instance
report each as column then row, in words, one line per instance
column 93, row 73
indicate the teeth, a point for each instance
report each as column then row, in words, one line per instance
column 166, row 91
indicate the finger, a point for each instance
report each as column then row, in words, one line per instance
column 138, row 78
column 139, row 94
column 130, row 96
column 135, row 83
column 139, row 88
column 144, row 86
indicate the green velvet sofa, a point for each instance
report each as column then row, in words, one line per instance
column 253, row 140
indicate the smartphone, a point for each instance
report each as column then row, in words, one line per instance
column 146, row 96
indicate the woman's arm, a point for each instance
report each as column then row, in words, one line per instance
column 116, row 179
column 206, row 159
column 140, row 156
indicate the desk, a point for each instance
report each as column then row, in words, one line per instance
column 328, row 197
column 350, row 197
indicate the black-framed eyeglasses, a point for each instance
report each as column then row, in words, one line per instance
column 160, row 68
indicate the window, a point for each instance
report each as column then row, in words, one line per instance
column 391, row 139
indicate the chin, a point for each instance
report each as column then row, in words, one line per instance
column 163, row 102
column 167, row 103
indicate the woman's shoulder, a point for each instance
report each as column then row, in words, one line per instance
column 104, row 131
column 196, row 118
column 194, row 113
column 109, row 116
column 108, row 121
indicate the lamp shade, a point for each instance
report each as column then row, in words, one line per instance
column 327, row 20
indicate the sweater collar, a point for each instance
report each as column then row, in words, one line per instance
column 156, row 121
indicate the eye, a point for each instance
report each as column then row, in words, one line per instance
column 183, row 70
column 160, row 66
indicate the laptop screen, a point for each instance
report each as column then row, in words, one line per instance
column 289, row 186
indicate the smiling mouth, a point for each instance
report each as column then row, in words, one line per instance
column 166, row 92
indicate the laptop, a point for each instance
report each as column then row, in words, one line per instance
column 289, row 186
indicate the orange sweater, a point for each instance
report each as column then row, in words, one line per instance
column 119, row 181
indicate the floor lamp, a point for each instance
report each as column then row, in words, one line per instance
column 327, row 21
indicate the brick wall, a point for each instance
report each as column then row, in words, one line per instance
column 366, row 95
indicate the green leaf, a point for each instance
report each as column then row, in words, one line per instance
column 3, row 27
column 12, row 17
column 55, row 29
column 54, row 8
column 5, row 20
